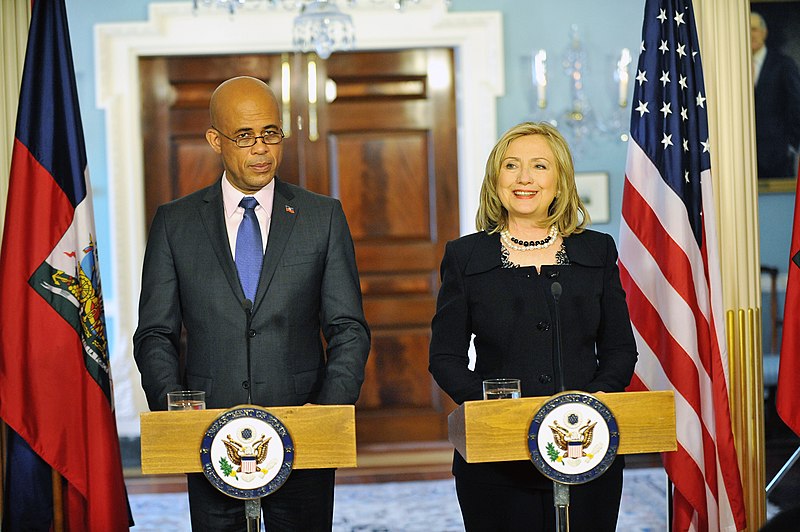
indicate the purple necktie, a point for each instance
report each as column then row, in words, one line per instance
column 249, row 252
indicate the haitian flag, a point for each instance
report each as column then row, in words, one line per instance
column 55, row 380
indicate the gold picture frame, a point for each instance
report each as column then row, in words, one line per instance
column 777, row 185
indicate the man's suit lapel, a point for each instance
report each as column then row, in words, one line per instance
column 213, row 218
column 284, row 213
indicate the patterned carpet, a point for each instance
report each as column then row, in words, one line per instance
column 419, row 506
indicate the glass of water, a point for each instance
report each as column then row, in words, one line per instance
column 501, row 389
column 186, row 400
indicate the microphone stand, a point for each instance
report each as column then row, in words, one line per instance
column 252, row 507
column 252, row 510
column 555, row 291
column 560, row 490
column 248, row 310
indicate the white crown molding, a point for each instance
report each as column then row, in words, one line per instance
column 173, row 29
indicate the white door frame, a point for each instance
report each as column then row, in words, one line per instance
column 173, row 29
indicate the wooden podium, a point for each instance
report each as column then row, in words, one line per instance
column 323, row 436
column 496, row 431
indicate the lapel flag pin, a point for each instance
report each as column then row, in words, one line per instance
column 289, row 209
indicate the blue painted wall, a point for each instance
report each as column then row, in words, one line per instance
column 528, row 25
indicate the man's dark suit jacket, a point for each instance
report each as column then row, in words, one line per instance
column 777, row 98
column 309, row 282
column 511, row 313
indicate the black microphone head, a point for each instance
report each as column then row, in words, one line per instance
column 555, row 290
column 247, row 305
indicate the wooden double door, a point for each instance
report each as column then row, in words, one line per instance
column 376, row 130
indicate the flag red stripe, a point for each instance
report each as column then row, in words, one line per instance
column 788, row 398
column 689, row 481
column 671, row 259
column 680, row 369
column 683, row 513
column 37, row 215
column 682, row 374
column 636, row 385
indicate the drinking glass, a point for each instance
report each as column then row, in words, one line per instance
column 501, row 389
column 186, row 400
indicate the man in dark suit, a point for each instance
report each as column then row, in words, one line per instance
column 308, row 282
column 777, row 98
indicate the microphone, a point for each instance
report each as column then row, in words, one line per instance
column 560, row 490
column 248, row 310
column 558, row 364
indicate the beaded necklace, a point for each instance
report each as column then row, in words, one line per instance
column 527, row 245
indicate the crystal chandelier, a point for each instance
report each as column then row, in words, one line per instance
column 579, row 120
column 322, row 28
column 319, row 27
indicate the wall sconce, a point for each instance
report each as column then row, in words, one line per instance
column 618, row 123
column 621, row 76
column 540, row 78
column 579, row 121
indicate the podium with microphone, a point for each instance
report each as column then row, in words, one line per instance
column 248, row 452
column 571, row 437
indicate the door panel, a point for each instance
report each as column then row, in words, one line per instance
column 375, row 129
column 395, row 382
column 194, row 157
column 384, row 183
column 391, row 283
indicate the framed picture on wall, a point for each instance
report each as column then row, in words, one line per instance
column 777, row 92
column 593, row 191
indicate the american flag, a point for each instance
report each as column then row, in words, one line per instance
column 669, row 264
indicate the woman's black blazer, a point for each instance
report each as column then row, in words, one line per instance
column 510, row 311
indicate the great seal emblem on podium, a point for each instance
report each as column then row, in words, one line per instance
column 247, row 453
column 573, row 438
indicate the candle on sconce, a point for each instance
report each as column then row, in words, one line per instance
column 623, row 76
column 540, row 78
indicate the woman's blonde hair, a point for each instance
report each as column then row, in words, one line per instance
column 566, row 211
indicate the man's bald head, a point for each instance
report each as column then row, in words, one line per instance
column 243, row 108
column 235, row 90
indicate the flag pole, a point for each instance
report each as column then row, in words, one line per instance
column 670, row 505
column 58, row 500
column 2, row 467
column 785, row 469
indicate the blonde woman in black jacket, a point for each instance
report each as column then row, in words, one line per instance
column 496, row 287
